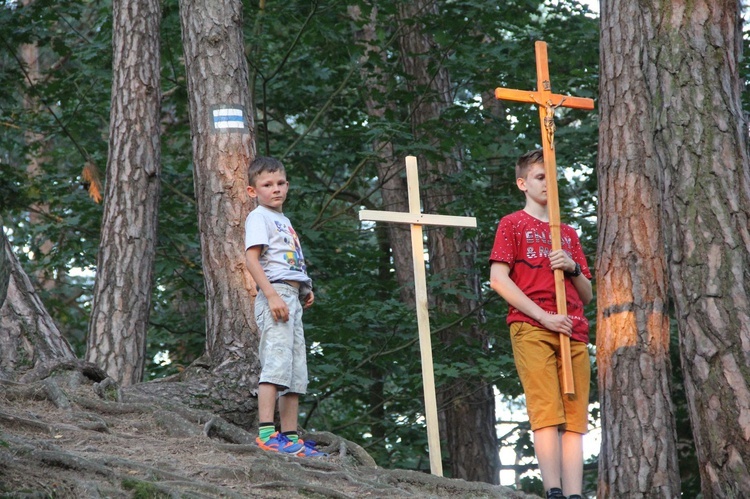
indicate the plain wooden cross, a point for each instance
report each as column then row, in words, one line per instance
column 547, row 102
column 417, row 219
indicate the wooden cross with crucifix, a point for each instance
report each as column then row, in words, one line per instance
column 417, row 219
column 547, row 102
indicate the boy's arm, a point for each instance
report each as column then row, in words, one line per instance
column 561, row 260
column 583, row 286
column 279, row 310
column 503, row 285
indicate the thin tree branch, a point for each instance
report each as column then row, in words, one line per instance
column 35, row 92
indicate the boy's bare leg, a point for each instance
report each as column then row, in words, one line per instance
column 572, row 463
column 288, row 411
column 266, row 401
column 548, row 454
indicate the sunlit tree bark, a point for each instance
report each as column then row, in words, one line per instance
column 700, row 141
column 638, row 456
column 217, row 78
column 122, row 292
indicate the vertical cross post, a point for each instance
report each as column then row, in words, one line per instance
column 417, row 219
column 547, row 102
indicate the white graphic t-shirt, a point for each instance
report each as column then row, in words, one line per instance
column 281, row 256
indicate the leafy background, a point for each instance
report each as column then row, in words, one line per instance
column 308, row 97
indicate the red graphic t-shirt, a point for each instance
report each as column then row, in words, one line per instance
column 524, row 243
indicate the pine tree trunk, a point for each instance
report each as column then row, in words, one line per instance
column 28, row 336
column 638, row 454
column 122, row 292
column 394, row 239
column 700, row 140
column 467, row 405
column 393, row 190
column 217, row 78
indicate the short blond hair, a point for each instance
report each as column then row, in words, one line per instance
column 525, row 162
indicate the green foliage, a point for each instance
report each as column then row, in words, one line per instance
column 308, row 92
column 532, row 485
column 51, row 218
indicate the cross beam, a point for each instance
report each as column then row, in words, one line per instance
column 547, row 102
column 417, row 220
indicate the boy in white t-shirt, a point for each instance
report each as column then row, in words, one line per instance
column 274, row 258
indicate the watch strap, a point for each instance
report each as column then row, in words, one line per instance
column 576, row 272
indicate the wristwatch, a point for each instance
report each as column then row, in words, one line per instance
column 575, row 272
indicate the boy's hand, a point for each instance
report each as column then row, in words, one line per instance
column 279, row 310
column 559, row 259
column 309, row 300
column 558, row 323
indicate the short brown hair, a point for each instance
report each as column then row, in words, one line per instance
column 525, row 162
column 263, row 164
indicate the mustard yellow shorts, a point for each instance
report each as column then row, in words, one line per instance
column 537, row 355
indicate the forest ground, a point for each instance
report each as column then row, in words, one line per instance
column 60, row 437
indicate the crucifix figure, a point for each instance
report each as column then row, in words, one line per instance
column 417, row 219
column 547, row 102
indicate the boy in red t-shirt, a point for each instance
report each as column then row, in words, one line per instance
column 522, row 272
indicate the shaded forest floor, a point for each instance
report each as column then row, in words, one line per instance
column 61, row 437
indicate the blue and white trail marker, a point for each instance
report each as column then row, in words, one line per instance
column 228, row 118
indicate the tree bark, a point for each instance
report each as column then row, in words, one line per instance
column 5, row 266
column 122, row 292
column 393, row 189
column 638, row 456
column 217, row 77
column 394, row 239
column 467, row 405
column 700, row 142
column 28, row 335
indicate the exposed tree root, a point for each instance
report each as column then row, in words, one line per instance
column 219, row 428
column 41, row 390
column 46, row 369
column 331, row 443
column 70, row 461
column 12, row 419
column 108, row 389
column 189, row 486
column 69, row 435
column 114, row 408
column 303, row 487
